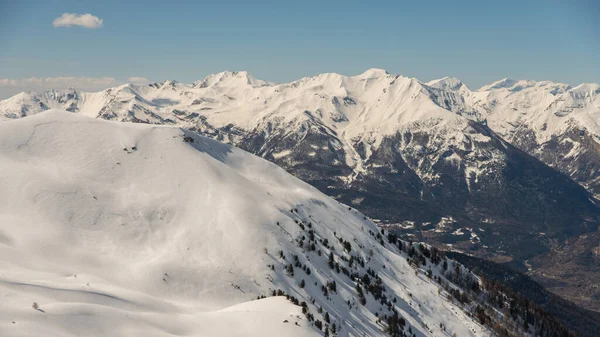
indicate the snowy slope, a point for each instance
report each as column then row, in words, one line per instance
column 129, row 230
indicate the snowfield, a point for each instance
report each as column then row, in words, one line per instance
column 119, row 229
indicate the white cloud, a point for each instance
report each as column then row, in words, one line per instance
column 9, row 87
column 86, row 20
column 138, row 80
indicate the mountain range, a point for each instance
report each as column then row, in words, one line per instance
column 508, row 172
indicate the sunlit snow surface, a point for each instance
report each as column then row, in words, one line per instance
column 118, row 229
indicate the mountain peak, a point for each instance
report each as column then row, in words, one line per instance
column 157, row 85
column 553, row 88
column 374, row 73
column 501, row 84
column 587, row 87
column 229, row 77
column 446, row 83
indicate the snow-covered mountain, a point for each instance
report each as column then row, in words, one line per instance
column 442, row 162
column 551, row 121
column 128, row 230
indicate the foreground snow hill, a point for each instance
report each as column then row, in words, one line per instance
column 117, row 229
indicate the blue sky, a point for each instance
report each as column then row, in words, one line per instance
column 477, row 41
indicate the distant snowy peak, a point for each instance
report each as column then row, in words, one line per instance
column 536, row 103
column 586, row 90
column 448, row 83
column 554, row 122
column 373, row 73
column 27, row 103
column 503, row 83
column 228, row 78
column 453, row 95
column 172, row 84
column 511, row 85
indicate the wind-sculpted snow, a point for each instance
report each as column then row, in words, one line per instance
column 118, row 229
